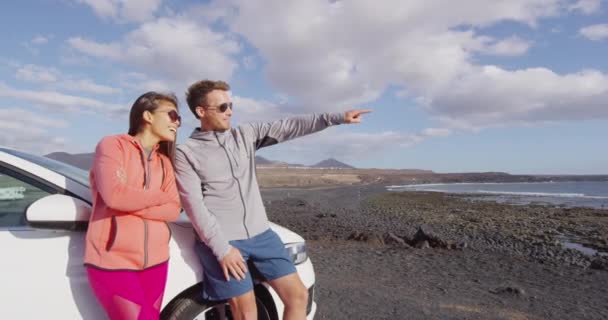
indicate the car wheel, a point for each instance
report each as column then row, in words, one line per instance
column 191, row 306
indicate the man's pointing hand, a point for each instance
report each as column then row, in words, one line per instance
column 355, row 116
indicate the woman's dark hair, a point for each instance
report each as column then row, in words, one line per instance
column 149, row 102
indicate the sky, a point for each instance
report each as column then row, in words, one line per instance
column 518, row 86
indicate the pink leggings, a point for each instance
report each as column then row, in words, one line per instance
column 130, row 295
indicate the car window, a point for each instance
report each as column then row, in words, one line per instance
column 17, row 192
column 73, row 173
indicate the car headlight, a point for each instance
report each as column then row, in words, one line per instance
column 297, row 252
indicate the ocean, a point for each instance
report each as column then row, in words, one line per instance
column 569, row 194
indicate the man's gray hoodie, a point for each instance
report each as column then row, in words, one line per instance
column 217, row 181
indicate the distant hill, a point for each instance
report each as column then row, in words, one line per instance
column 263, row 162
column 259, row 160
column 80, row 160
column 85, row 161
column 332, row 163
column 385, row 176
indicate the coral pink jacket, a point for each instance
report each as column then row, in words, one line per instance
column 134, row 196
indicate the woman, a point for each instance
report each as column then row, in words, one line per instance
column 134, row 196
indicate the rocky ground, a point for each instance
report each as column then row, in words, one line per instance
column 381, row 255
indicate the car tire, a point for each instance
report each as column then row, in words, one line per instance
column 190, row 305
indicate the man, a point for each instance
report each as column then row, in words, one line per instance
column 216, row 177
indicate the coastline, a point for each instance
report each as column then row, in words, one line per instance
column 593, row 194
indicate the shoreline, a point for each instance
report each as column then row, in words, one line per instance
column 564, row 199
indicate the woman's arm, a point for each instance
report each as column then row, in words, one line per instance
column 109, row 170
column 168, row 211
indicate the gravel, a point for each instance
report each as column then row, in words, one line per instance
column 417, row 255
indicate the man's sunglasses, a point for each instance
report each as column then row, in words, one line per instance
column 174, row 116
column 223, row 107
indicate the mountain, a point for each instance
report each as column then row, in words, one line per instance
column 259, row 160
column 80, row 160
column 85, row 160
column 332, row 163
column 263, row 162
column 387, row 176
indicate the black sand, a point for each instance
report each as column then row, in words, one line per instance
column 380, row 255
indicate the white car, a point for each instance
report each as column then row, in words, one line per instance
column 44, row 210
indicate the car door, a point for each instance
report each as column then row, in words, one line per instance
column 42, row 275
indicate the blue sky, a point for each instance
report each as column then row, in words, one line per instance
column 518, row 86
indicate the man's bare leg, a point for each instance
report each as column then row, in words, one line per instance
column 294, row 295
column 243, row 307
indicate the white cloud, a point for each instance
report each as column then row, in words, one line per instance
column 39, row 74
column 140, row 83
column 345, row 53
column 28, row 131
column 436, row 132
column 251, row 110
column 95, row 49
column 15, row 117
column 596, row 32
column 8, row 62
column 495, row 96
column 54, row 78
column 139, row 10
column 86, row 85
column 59, row 101
column 73, row 57
column 124, row 10
column 209, row 12
column 33, row 45
column 586, row 6
column 39, row 40
column 103, row 8
column 513, row 46
column 330, row 55
column 175, row 49
column 345, row 146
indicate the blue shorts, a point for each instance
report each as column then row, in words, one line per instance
column 267, row 253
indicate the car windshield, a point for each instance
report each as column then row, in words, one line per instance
column 73, row 173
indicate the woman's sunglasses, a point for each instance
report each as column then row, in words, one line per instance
column 174, row 116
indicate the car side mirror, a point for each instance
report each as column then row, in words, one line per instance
column 59, row 212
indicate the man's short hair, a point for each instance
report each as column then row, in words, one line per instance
column 197, row 93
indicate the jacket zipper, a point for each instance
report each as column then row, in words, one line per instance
column 238, row 183
column 146, row 187
column 162, row 182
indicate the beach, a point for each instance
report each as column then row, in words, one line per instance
column 428, row 255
